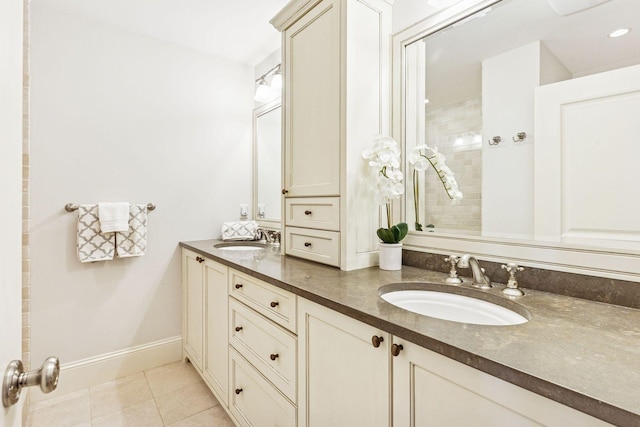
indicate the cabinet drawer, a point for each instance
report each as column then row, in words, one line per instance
column 268, row 347
column 274, row 303
column 315, row 245
column 253, row 400
column 321, row 213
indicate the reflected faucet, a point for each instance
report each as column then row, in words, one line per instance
column 480, row 280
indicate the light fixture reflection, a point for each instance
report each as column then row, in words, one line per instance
column 276, row 83
column 263, row 92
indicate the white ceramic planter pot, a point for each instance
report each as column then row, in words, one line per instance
column 390, row 256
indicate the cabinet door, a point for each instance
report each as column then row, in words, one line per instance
column 192, row 311
column 343, row 378
column 254, row 401
column 432, row 390
column 216, row 361
column 312, row 107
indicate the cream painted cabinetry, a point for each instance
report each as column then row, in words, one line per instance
column 312, row 111
column 432, row 390
column 205, row 319
column 344, row 379
column 193, row 307
column 263, row 348
column 239, row 333
column 336, row 55
column 215, row 369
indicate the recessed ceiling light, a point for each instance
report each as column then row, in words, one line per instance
column 619, row 32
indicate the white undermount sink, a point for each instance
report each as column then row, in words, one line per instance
column 240, row 246
column 439, row 303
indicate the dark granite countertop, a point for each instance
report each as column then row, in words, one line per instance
column 581, row 353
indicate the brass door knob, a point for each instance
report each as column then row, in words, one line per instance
column 376, row 340
column 396, row 348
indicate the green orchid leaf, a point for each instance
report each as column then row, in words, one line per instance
column 396, row 233
column 385, row 235
column 404, row 229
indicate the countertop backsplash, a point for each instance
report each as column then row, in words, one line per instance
column 600, row 289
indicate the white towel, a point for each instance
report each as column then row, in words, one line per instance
column 239, row 230
column 113, row 217
column 133, row 241
column 92, row 245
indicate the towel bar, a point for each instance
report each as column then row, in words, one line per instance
column 72, row 207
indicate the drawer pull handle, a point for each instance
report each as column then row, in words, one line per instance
column 284, row 191
column 307, row 244
column 238, row 390
column 238, row 285
column 376, row 340
column 238, row 328
column 274, row 356
column 307, row 212
column 274, row 304
column 200, row 259
column 396, row 348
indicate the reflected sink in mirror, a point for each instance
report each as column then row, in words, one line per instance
column 455, row 304
column 240, row 246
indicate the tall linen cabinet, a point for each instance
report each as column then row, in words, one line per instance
column 336, row 57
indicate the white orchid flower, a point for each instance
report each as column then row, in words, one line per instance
column 422, row 156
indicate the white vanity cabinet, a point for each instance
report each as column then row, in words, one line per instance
column 344, row 379
column 432, row 390
column 216, row 357
column 273, row 358
column 205, row 319
column 193, row 307
column 336, row 68
column 263, row 351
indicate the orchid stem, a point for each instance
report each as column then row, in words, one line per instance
column 389, row 215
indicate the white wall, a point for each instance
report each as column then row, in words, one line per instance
column 408, row 12
column 122, row 117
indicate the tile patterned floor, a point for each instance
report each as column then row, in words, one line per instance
column 170, row 395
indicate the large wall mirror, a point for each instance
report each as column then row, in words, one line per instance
column 534, row 106
column 267, row 161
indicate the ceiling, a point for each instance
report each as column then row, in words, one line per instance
column 580, row 41
column 236, row 30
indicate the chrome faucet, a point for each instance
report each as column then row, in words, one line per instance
column 480, row 280
column 271, row 237
column 263, row 235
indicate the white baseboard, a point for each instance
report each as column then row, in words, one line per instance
column 95, row 370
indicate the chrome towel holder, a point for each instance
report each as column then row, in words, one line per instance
column 72, row 207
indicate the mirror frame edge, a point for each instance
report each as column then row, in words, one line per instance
column 257, row 112
column 615, row 264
